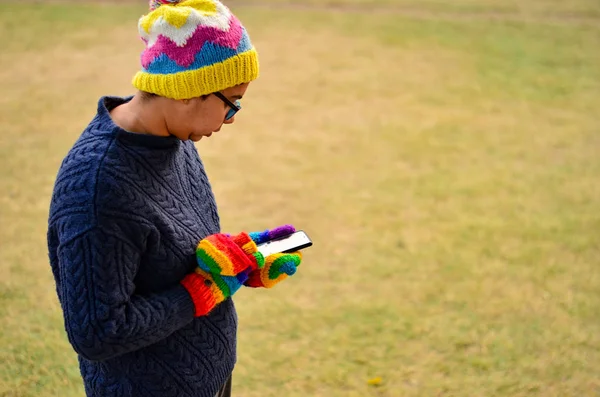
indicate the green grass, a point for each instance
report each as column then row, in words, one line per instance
column 532, row 8
column 448, row 171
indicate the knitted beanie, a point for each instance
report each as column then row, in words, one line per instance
column 193, row 48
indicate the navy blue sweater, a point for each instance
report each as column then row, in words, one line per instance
column 126, row 215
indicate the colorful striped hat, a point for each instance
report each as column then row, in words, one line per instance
column 193, row 48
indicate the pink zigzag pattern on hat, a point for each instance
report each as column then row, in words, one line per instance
column 184, row 56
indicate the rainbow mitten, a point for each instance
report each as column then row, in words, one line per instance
column 228, row 255
column 224, row 264
column 208, row 290
column 277, row 267
column 272, row 234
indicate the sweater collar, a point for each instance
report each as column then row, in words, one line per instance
column 107, row 103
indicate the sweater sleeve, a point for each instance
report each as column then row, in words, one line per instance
column 104, row 317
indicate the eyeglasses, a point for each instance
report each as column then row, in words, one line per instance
column 235, row 106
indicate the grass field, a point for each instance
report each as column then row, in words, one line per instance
column 505, row 8
column 448, row 171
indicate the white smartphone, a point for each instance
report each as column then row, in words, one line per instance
column 293, row 242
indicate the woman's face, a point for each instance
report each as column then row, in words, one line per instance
column 199, row 117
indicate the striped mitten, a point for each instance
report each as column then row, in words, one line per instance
column 224, row 265
column 277, row 267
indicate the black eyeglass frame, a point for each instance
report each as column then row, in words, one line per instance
column 234, row 107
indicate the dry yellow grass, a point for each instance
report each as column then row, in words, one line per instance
column 540, row 10
column 447, row 172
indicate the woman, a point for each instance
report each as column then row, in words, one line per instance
column 142, row 272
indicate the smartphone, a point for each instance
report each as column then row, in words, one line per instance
column 293, row 242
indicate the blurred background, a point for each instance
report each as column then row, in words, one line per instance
column 443, row 155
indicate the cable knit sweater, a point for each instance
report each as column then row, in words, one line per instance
column 126, row 215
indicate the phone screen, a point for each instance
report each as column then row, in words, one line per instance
column 293, row 242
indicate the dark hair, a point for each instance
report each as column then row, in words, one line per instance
column 147, row 96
